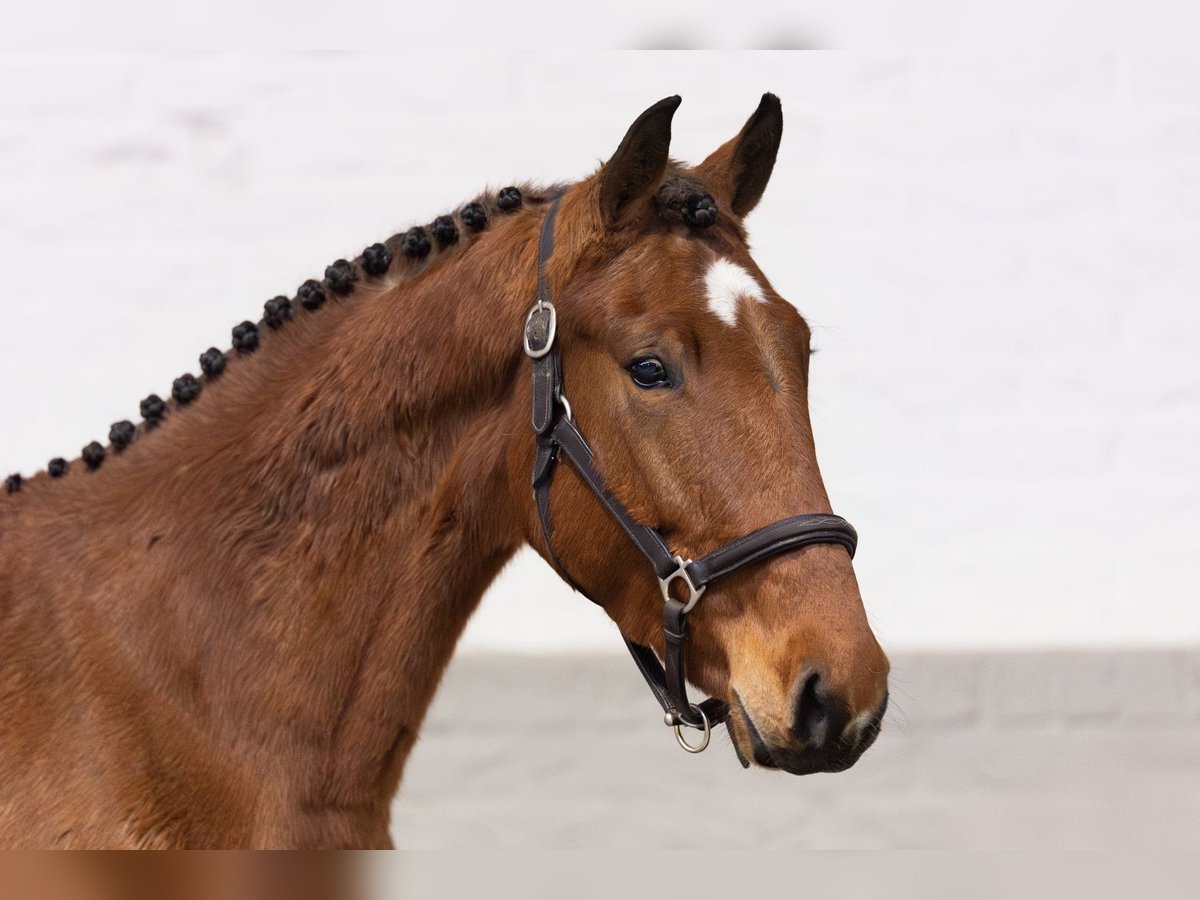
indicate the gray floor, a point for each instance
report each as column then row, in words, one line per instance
column 1044, row 750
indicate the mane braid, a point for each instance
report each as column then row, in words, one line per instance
column 418, row 245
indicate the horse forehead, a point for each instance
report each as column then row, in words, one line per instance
column 727, row 286
column 703, row 285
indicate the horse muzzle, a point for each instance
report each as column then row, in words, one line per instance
column 823, row 736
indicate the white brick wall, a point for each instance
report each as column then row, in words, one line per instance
column 999, row 256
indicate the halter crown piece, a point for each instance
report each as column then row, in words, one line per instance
column 557, row 436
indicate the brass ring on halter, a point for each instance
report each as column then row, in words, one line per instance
column 703, row 745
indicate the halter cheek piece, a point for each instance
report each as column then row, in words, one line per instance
column 558, row 436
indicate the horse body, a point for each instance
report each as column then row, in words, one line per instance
column 229, row 632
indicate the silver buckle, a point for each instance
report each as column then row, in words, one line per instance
column 705, row 727
column 694, row 594
column 551, row 330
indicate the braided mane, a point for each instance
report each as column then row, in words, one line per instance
column 402, row 257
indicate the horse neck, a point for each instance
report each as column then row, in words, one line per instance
column 312, row 534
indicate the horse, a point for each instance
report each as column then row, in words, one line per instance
column 224, row 626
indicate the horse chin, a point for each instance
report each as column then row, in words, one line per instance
column 807, row 762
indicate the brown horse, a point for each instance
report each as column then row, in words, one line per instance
column 224, row 627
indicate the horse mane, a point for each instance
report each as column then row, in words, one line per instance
column 401, row 258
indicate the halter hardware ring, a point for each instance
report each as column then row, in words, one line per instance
column 694, row 593
column 551, row 329
column 707, row 728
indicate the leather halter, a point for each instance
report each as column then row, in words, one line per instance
column 557, row 436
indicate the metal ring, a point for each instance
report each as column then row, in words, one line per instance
column 703, row 745
column 694, row 593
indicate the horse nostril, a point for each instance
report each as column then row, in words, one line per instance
column 811, row 724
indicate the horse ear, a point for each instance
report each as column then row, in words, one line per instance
column 738, row 171
column 638, row 165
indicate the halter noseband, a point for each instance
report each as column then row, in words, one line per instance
column 558, row 436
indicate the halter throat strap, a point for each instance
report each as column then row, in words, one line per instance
column 557, row 436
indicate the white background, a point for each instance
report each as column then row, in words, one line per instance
column 999, row 255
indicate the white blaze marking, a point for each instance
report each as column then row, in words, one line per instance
column 726, row 283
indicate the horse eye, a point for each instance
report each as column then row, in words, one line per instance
column 648, row 372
